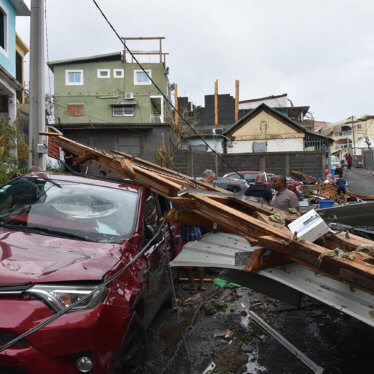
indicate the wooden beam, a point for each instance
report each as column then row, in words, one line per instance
column 216, row 102
column 176, row 104
column 236, row 101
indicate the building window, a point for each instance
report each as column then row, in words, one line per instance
column 129, row 144
column 359, row 126
column 3, row 31
column 103, row 73
column 123, row 110
column 74, row 77
column 75, row 110
column 118, row 73
column 141, row 78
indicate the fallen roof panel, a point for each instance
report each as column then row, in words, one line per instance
column 219, row 249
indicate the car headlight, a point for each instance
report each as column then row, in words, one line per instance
column 59, row 297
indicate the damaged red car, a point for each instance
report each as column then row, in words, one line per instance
column 60, row 237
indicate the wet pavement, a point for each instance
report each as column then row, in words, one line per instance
column 220, row 330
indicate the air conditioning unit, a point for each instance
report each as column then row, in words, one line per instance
column 218, row 131
column 129, row 95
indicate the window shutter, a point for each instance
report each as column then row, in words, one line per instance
column 75, row 110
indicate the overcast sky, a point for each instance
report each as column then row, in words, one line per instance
column 319, row 52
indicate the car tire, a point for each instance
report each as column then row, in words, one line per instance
column 131, row 357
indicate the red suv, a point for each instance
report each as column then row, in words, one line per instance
column 60, row 237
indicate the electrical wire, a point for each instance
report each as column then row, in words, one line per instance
column 160, row 91
column 49, row 320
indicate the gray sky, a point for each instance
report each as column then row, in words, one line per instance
column 319, row 52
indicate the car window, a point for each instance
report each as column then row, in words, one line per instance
column 250, row 177
column 91, row 212
column 151, row 216
column 235, row 176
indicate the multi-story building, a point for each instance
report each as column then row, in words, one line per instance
column 106, row 102
column 10, row 82
column 351, row 136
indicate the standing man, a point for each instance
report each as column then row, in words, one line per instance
column 208, row 176
column 284, row 199
column 260, row 189
column 341, row 184
column 349, row 161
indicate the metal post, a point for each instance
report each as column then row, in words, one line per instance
column 354, row 137
column 37, row 91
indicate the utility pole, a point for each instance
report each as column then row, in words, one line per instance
column 37, row 91
column 176, row 104
column 354, row 137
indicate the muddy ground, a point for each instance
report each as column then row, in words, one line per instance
column 334, row 341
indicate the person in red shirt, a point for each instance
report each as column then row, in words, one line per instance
column 349, row 161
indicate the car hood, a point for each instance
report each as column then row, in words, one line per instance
column 28, row 257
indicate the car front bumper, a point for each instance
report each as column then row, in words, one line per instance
column 96, row 332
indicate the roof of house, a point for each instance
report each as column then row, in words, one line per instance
column 20, row 7
column 21, row 45
column 104, row 57
column 263, row 107
column 262, row 98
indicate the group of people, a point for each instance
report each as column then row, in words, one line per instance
column 283, row 200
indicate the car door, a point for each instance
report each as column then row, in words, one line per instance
column 156, row 277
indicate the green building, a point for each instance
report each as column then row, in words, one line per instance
column 105, row 102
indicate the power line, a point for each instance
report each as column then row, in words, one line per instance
column 159, row 90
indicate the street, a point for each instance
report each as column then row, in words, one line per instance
column 360, row 181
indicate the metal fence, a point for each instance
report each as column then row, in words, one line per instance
column 368, row 158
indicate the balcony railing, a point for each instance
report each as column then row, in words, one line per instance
column 155, row 118
column 342, row 133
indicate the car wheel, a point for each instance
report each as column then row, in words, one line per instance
column 131, row 358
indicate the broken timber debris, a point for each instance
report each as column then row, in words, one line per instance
column 329, row 191
column 236, row 215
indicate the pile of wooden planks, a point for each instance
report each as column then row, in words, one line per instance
column 224, row 211
column 328, row 191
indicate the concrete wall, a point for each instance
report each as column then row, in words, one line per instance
column 273, row 145
column 195, row 162
column 150, row 140
column 97, row 94
column 265, row 126
column 216, row 144
column 8, row 56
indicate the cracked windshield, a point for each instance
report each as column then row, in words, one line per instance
column 67, row 209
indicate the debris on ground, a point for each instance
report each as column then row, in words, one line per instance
column 225, row 284
column 226, row 334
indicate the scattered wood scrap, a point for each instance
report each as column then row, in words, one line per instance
column 236, row 215
column 328, row 191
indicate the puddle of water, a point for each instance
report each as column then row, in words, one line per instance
column 253, row 366
column 169, row 333
column 244, row 320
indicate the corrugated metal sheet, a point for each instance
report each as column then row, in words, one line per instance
column 225, row 251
